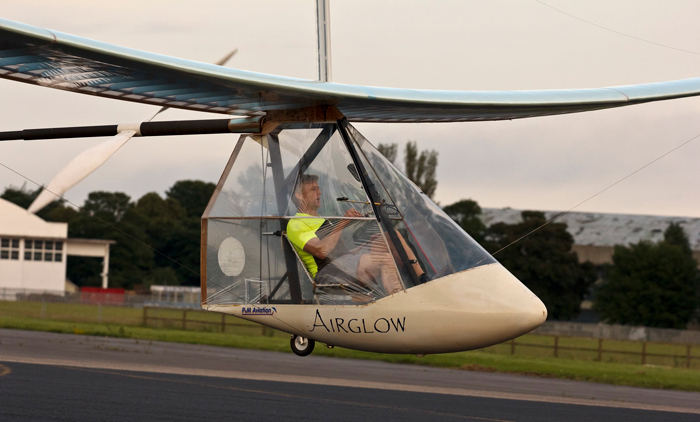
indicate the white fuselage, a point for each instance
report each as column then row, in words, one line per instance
column 476, row 308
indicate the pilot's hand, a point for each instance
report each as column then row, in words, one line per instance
column 352, row 212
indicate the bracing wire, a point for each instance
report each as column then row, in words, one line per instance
column 103, row 221
column 617, row 32
column 556, row 217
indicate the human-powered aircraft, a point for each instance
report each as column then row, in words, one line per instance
column 311, row 230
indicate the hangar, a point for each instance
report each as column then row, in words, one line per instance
column 33, row 252
column 596, row 234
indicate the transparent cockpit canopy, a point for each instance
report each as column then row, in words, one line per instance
column 247, row 189
column 446, row 248
column 312, row 213
column 246, row 263
column 259, row 164
column 340, row 188
column 242, row 264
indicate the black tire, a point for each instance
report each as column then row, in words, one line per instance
column 302, row 346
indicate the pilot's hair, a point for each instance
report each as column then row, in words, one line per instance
column 304, row 179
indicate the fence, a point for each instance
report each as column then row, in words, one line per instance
column 161, row 297
column 643, row 354
column 117, row 308
column 217, row 322
column 618, row 332
column 61, row 296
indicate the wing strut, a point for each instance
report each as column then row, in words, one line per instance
column 176, row 127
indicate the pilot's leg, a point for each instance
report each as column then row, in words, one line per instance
column 390, row 277
column 416, row 266
column 378, row 267
column 409, row 252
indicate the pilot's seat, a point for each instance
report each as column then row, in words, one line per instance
column 348, row 292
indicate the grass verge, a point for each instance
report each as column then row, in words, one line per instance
column 604, row 372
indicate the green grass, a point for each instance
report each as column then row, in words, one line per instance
column 158, row 317
column 209, row 321
column 249, row 336
column 72, row 312
column 609, row 349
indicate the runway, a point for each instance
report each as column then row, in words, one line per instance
column 47, row 376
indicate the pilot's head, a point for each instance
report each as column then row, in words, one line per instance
column 307, row 194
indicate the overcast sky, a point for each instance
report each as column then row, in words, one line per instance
column 549, row 163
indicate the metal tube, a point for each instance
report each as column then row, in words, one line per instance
column 323, row 28
column 281, row 196
column 58, row 133
column 169, row 128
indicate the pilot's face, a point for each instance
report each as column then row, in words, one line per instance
column 311, row 196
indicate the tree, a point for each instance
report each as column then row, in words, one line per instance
column 466, row 213
column 182, row 250
column 193, row 195
column 389, row 151
column 55, row 211
column 19, row 195
column 162, row 216
column 184, row 239
column 654, row 285
column 419, row 168
column 111, row 216
column 109, row 205
column 165, row 219
column 675, row 235
column 544, row 262
column 58, row 212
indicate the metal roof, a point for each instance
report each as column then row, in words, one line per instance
column 601, row 229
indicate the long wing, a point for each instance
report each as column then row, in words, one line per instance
column 49, row 58
column 90, row 160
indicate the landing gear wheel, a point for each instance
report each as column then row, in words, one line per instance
column 302, row 346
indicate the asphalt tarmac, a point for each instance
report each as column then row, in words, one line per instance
column 58, row 377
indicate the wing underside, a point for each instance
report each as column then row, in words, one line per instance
column 53, row 59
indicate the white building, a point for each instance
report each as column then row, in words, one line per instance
column 33, row 252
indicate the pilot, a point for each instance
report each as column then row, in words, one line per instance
column 318, row 243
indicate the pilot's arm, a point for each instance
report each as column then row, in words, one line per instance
column 320, row 248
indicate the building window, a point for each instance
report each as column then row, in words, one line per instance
column 43, row 250
column 9, row 248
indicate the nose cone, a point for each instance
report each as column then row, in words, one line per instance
column 528, row 310
column 495, row 305
column 515, row 302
